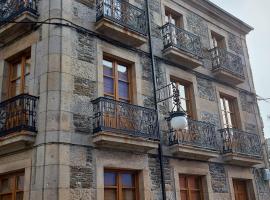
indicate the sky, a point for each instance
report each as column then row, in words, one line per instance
column 257, row 14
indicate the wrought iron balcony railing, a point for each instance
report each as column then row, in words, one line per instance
column 176, row 37
column 222, row 59
column 198, row 134
column 10, row 9
column 124, row 118
column 123, row 13
column 240, row 142
column 18, row 114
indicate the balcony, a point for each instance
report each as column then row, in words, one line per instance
column 227, row 66
column 198, row 141
column 125, row 126
column 17, row 122
column 21, row 11
column 121, row 21
column 241, row 148
column 182, row 46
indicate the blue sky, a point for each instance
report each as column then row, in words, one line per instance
column 257, row 14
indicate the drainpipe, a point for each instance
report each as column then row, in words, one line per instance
column 160, row 150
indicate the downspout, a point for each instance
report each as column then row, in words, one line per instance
column 160, row 150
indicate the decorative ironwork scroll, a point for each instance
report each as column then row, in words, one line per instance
column 17, row 114
column 10, row 9
column 123, row 13
column 237, row 141
column 124, row 118
column 198, row 134
column 222, row 59
column 176, row 37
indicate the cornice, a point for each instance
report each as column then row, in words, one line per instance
column 220, row 15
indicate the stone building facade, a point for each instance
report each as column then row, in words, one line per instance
column 60, row 140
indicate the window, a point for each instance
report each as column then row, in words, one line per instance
column 185, row 94
column 12, row 186
column 113, row 8
column 173, row 18
column 19, row 74
column 228, row 110
column 217, row 41
column 120, row 185
column 116, row 80
column 190, row 187
column 240, row 189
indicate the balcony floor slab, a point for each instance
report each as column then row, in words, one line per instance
column 125, row 142
column 10, row 31
column 192, row 152
column 182, row 57
column 120, row 33
column 16, row 141
column 226, row 76
column 241, row 160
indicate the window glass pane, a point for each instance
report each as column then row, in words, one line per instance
column 182, row 91
column 182, row 182
column 227, row 107
column 109, row 179
column 27, row 66
column 127, row 180
column 194, row 182
column 19, row 196
column 108, row 85
column 221, row 103
column 20, row 183
column 128, row 194
column 110, row 194
column 123, row 89
column 184, row 195
column 5, row 185
column 107, row 68
column 18, row 87
column 195, row 195
column 184, row 104
column 26, row 86
column 229, row 120
column 122, row 73
column 16, row 71
column 6, row 197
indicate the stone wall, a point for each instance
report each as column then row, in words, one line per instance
column 262, row 186
column 82, row 173
column 206, row 89
column 218, row 178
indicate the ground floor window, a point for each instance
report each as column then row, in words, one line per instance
column 120, row 185
column 11, row 186
column 190, row 187
column 240, row 189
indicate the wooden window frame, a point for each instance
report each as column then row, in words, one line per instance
column 119, row 189
column 116, row 79
column 12, row 62
column 14, row 177
column 232, row 112
column 189, row 95
column 237, row 181
column 189, row 189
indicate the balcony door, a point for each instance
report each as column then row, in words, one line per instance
column 113, row 8
column 16, row 113
column 117, row 86
column 240, row 190
column 19, row 73
column 176, row 20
